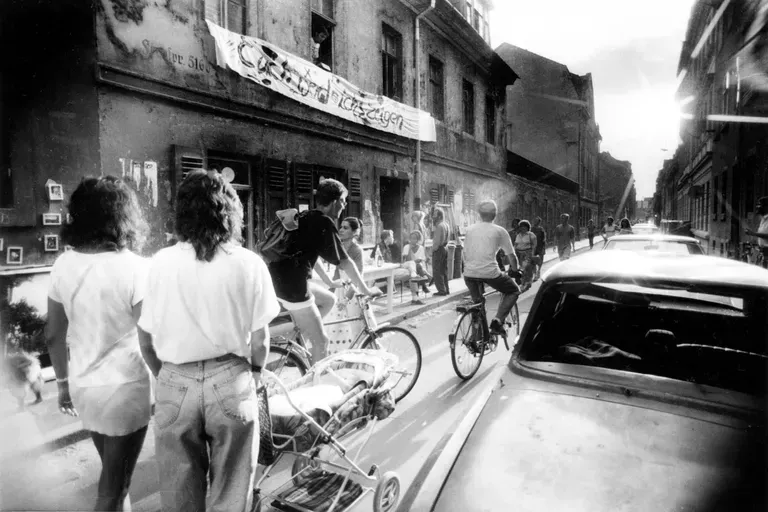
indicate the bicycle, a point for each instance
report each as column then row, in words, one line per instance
column 467, row 351
column 290, row 359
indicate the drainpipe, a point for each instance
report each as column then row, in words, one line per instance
column 417, row 65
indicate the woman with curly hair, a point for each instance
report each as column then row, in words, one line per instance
column 625, row 227
column 204, row 333
column 94, row 302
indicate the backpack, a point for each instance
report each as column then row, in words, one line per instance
column 277, row 244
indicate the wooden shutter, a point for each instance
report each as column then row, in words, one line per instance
column 185, row 160
column 434, row 194
column 303, row 185
column 355, row 199
column 276, row 185
column 451, row 194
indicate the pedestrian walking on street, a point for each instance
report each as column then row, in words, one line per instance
column 204, row 334
column 414, row 260
column 541, row 246
column 591, row 233
column 609, row 229
column 95, row 299
column 625, row 227
column 440, row 252
column 525, row 243
column 565, row 238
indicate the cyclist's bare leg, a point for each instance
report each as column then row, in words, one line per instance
column 324, row 299
column 310, row 323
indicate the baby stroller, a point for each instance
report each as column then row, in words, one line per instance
column 342, row 394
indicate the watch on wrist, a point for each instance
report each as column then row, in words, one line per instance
column 255, row 368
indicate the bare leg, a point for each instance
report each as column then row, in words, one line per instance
column 310, row 322
column 324, row 299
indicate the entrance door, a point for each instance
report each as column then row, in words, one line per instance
column 391, row 195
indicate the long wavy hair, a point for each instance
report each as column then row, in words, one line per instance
column 105, row 216
column 208, row 213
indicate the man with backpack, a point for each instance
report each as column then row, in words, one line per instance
column 291, row 249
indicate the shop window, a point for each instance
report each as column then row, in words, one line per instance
column 391, row 63
column 436, row 88
column 468, row 106
column 322, row 40
column 230, row 14
column 490, row 120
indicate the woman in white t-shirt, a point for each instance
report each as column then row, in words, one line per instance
column 94, row 303
column 204, row 331
column 609, row 229
column 525, row 243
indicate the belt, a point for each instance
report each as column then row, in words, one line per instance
column 226, row 357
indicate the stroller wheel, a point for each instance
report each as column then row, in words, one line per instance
column 387, row 493
column 303, row 466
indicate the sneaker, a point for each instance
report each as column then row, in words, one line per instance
column 497, row 327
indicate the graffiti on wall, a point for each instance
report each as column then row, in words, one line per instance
column 141, row 173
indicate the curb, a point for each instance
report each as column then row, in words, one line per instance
column 75, row 436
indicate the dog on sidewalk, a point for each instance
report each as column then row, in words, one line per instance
column 22, row 371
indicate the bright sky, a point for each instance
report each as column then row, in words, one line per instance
column 632, row 50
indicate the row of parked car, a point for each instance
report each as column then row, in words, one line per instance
column 638, row 382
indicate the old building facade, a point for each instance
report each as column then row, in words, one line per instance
column 143, row 90
column 551, row 121
column 617, row 189
column 721, row 167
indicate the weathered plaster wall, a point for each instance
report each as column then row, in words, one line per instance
column 141, row 129
column 50, row 103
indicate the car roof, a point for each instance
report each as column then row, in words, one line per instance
column 656, row 238
column 626, row 266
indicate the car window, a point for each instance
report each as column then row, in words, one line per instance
column 699, row 336
column 653, row 245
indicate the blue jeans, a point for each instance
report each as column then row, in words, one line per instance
column 207, row 425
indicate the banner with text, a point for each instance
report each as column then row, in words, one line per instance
column 311, row 85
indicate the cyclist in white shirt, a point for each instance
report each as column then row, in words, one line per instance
column 481, row 244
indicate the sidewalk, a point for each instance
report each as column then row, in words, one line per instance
column 41, row 435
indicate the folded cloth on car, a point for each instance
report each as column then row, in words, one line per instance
column 318, row 492
column 598, row 352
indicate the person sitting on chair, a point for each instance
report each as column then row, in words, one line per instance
column 414, row 259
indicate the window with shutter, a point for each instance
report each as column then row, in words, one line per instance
column 230, row 14
column 355, row 199
column 186, row 159
column 451, row 195
column 303, row 186
column 434, row 195
column 276, row 188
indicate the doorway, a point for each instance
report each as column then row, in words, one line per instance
column 391, row 194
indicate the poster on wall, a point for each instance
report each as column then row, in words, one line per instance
column 296, row 78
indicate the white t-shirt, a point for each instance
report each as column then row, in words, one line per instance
column 763, row 229
column 98, row 292
column 198, row 310
column 610, row 230
column 481, row 244
column 419, row 254
column 525, row 241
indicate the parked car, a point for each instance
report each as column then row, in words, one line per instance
column 644, row 229
column 637, row 384
column 657, row 243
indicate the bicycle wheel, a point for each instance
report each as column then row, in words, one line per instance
column 514, row 320
column 403, row 344
column 286, row 365
column 466, row 355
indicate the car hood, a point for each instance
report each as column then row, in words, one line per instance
column 543, row 446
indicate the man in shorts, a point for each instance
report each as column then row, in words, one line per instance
column 565, row 238
column 481, row 244
column 316, row 236
column 541, row 246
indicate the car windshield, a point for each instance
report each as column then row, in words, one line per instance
column 653, row 245
column 701, row 336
